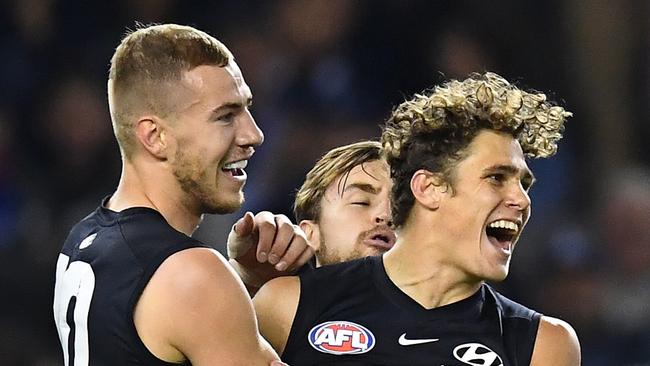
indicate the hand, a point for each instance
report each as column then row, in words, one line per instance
column 266, row 246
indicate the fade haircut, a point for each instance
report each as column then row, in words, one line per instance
column 145, row 68
column 336, row 163
column 433, row 130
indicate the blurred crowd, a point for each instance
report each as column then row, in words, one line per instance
column 325, row 73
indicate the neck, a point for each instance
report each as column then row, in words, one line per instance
column 152, row 186
column 418, row 266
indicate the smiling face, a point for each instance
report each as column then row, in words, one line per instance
column 484, row 214
column 354, row 216
column 215, row 135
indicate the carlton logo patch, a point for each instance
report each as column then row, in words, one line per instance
column 476, row 354
column 341, row 338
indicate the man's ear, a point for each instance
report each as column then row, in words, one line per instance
column 428, row 188
column 312, row 231
column 153, row 135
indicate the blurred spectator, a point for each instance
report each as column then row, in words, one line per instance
column 10, row 194
column 625, row 272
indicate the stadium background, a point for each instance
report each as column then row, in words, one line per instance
column 325, row 73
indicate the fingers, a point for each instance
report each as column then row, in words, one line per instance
column 240, row 238
column 265, row 246
column 245, row 225
column 304, row 257
column 281, row 243
column 298, row 252
column 266, row 227
column 285, row 232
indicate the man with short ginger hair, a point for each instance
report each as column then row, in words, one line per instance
column 132, row 286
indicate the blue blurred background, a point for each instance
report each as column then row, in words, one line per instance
column 325, row 73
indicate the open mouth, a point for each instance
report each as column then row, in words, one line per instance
column 381, row 238
column 236, row 168
column 503, row 233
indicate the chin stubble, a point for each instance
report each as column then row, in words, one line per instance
column 195, row 182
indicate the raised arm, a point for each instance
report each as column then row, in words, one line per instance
column 275, row 305
column 196, row 308
column 556, row 344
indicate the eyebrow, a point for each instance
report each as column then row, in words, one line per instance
column 512, row 170
column 233, row 105
column 361, row 186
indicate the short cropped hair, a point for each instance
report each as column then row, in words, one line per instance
column 432, row 130
column 336, row 163
column 147, row 64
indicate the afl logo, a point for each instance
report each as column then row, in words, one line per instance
column 341, row 338
column 476, row 354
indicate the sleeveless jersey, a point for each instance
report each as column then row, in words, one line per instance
column 105, row 264
column 353, row 314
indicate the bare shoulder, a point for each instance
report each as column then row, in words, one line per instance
column 278, row 298
column 556, row 344
column 195, row 307
column 286, row 285
column 275, row 305
column 197, row 267
column 190, row 277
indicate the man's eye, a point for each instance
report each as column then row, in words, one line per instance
column 228, row 117
column 361, row 203
column 496, row 178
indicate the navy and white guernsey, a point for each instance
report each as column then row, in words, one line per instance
column 106, row 262
column 352, row 314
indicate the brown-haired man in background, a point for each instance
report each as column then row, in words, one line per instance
column 132, row 286
column 342, row 206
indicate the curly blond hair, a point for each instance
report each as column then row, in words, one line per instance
column 432, row 130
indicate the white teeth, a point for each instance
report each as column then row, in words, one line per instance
column 241, row 164
column 505, row 224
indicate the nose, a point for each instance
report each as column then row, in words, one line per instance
column 249, row 133
column 383, row 215
column 518, row 198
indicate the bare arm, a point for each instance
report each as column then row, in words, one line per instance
column 275, row 305
column 557, row 344
column 196, row 308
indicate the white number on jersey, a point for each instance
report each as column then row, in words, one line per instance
column 72, row 294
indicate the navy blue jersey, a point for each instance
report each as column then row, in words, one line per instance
column 105, row 264
column 353, row 314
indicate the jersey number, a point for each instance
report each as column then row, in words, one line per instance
column 72, row 294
